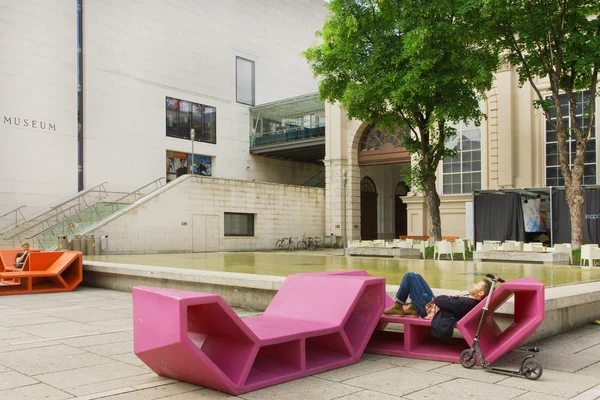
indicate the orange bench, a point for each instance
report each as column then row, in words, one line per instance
column 42, row 272
column 449, row 238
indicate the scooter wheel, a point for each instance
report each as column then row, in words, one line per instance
column 532, row 369
column 468, row 358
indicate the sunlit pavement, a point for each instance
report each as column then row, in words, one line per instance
column 80, row 345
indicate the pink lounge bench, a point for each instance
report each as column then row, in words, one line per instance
column 417, row 342
column 313, row 324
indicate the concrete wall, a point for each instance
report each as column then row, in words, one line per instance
column 188, row 215
column 38, row 103
column 138, row 53
column 135, row 54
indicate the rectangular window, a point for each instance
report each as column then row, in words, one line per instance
column 237, row 224
column 182, row 116
column 244, row 80
column 553, row 175
column 462, row 174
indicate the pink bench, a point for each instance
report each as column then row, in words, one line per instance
column 313, row 324
column 416, row 340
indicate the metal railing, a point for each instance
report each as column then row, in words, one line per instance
column 73, row 225
column 91, row 216
column 286, row 136
column 317, row 180
column 66, row 213
column 58, row 208
column 17, row 212
column 137, row 193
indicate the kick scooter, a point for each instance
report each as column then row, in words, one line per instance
column 530, row 367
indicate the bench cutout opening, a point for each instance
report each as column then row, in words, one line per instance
column 276, row 361
column 326, row 350
column 214, row 331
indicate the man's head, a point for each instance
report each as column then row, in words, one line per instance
column 25, row 246
column 480, row 289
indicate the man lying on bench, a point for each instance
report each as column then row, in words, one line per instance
column 446, row 311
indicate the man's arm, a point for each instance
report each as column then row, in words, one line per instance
column 22, row 257
column 448, row 303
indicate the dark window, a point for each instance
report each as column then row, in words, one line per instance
column 237, row 224
column 182, row 116
column 244, row 80
column 553, row 174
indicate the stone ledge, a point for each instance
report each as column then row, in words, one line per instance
column 522, row 256
column 396, row 252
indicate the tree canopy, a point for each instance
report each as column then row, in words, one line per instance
column 412, row 67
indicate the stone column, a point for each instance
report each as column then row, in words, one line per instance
column 339, row 157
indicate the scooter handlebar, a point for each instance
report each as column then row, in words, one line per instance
column 495, row 278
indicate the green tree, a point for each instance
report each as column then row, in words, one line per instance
column 557, row 41
column 412, row 67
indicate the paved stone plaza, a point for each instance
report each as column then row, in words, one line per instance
column 80, row 345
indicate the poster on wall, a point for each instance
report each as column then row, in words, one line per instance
column 202, row 164
column 179, row 164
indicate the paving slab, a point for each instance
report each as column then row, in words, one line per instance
column 155, row 392
column 464, row 389
column 111, row 349
column 38, row 391
column 353, row 371
column 554, row 383
column 398, row 381
column 121, row 385
column 13, row 379
column 98, row 339
column 89, row 375
column 57, row 330
column 50, row 359
column 303, row 389
column 370, row 395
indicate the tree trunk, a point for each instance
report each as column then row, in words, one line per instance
column 433, row 205
column 574, row 196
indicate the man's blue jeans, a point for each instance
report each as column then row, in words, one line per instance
column 414, row 285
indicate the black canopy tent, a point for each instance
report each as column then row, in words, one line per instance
column 498, row 214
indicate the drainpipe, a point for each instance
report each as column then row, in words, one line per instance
column 344, row 196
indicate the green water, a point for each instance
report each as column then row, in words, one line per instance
column 457, row 275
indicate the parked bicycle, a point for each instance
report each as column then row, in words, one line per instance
column 286, row 243
column 310, row 243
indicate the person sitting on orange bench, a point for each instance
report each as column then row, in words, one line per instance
column 21, row 257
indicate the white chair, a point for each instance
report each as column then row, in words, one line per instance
column 586, row 254
column 484, row 247
column 378, row 243
column 594, row 255
column 353, row 243
column 458, row 246
column 563, row 248
column 366, row 243
column 443, row 247
column 419, row 245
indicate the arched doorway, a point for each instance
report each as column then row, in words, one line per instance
column 368, row 209
column 401, row 222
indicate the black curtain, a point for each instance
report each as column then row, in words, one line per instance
column 499, row 217
column 591, row 215
column 561, row 217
